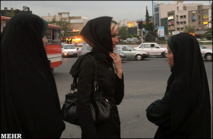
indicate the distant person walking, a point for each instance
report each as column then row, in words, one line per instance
column 29, row 100
column 184, row 111
column 102, row 35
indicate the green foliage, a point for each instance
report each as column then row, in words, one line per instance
column 62, row 23
column 10, row 14
column 152, row 30
column 208, row 34
column 123, row 33
column 189, row 29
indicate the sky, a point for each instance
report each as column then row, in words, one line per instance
column 119, row 10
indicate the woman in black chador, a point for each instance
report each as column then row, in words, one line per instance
column 102, row 35
column 184, row 111
column 29, row 99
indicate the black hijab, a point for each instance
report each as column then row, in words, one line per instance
column 97, row 33
column 189, row 90
column 29, row 99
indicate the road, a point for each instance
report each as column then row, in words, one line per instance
column 145, row 81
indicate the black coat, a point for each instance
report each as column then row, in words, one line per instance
column 29, row 98
column 184, row 111
column 113, row 89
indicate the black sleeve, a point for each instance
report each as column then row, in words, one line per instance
column 119, row 90
column 86, row 73
column 159, row 111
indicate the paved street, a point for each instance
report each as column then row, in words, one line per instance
column 145, row 81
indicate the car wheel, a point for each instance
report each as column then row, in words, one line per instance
column 138, row 57
column 163, row 55
column 208, row 57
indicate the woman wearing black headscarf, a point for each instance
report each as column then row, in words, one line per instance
column 184, row 111
column 29, row 100
column 102, row 35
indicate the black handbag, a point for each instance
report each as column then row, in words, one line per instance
column 100, row 106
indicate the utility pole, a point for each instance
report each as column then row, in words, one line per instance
column 141, row 35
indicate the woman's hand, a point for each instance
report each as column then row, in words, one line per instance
column 117, row 60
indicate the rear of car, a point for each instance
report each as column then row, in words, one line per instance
column 132, row 53
column 206, row 53
column 69, row 50
column 121, row 54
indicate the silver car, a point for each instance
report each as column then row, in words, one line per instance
column 154, row 49
column 132, row 53
column 206, row 53
column 69, row 50
column 88, row 49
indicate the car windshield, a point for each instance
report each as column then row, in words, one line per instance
column 69, row 47
column 130, row 48
column 202, row 47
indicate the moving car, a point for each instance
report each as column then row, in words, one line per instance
column 206, row 53
column 88, row 49
column 69, row 50
column 154, row 49
column 132, row 53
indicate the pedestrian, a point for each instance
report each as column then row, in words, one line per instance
column 102, row 35
column 29, row 99
column 184, row 111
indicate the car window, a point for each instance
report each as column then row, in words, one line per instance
column 125, row 48
column 141, row 46
column 146, row 45
column 202, row 47
column 69, row 47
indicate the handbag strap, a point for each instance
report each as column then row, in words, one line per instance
column 73, row 88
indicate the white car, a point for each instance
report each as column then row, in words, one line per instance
column 69, row 50
column 154, row 49
column 206, row 53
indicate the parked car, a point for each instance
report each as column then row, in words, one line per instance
column 206, row 53
column 85, row 50
column 79, row 46
column 132, row 53
column 69, row 50
column 154, row 49
column 88, row 49
column 62, row 44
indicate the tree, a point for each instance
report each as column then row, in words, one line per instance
column 123, row 32
column 208, row 34
column 150, row 28
column 65, row 25
column 189, row 29
column 11, row 13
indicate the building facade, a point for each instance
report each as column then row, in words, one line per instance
column 180, row 15
column 76, row 22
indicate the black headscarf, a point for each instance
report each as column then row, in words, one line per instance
column 97, row 33
column 189, row 90
column 29, row 99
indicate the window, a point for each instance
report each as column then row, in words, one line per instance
column 156, row 9
column 69, row 46
column 56, row 36
column 49, row 35
column 125, row 48
column 146, row 45
column 177, row 8
column 184, row 16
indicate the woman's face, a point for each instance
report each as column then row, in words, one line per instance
column 44, row 39
column 170, row 57
column 115, row 40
